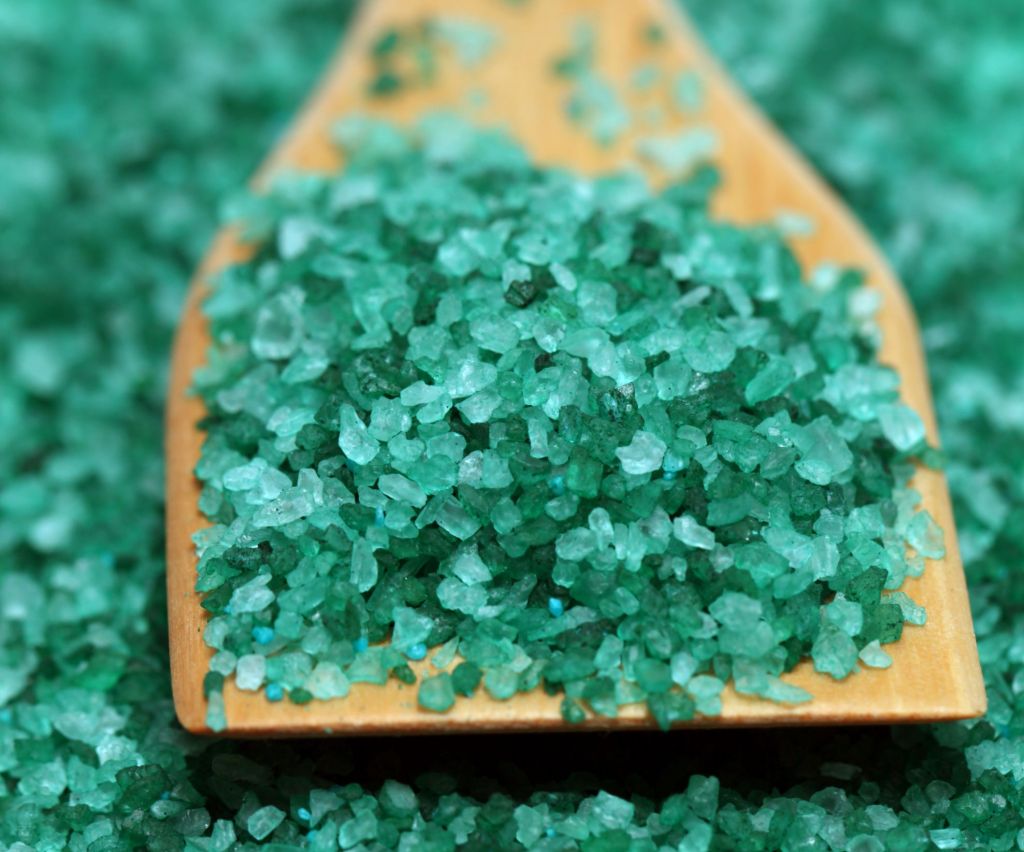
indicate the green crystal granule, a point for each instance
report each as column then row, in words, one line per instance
column 453, row 387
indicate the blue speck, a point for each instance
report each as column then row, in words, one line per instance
column 228, row 609
column 311, row 834
column 263, row 635
column 378, row 517
column 274, row 692
column 669, row 475
column 555, row 607
column 557, row 485
column 5, row 715
column 303, row 814
column 549, row 831
column 417, row 651
column 361, row 644
column 164, row 796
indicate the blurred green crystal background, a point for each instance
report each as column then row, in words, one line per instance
column 123, row 126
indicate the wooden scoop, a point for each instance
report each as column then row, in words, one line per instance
column 935, row 673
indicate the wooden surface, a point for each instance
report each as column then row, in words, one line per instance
column 935, row 674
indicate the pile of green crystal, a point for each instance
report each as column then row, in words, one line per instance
column 121, row 125
column 568, row 432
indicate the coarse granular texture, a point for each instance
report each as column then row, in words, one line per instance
column 120, row 126
column 575, row 432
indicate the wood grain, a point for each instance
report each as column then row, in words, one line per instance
column 935, row 673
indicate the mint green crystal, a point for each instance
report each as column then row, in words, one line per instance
column 901, row 425
column 262, row 822
column 437, row 692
